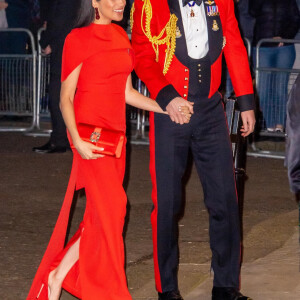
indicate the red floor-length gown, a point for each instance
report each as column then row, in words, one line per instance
column 107, row 60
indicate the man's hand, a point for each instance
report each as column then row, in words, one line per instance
column 3, row 5
column 248, row 119
column 278, row 38
column 174, row 110
column 47, row 50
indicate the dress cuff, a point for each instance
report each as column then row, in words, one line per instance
column 165, row 95
column 246, row 102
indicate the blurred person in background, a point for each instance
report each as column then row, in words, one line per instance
column 17, row 16
column 59, row 21
column 3, row 23
column 15, row 91
column 246, row 25
column 44, row 9
column 292, row 160
column 35, row 16
column 3, row 19
column 275, row 19
column 245, row 20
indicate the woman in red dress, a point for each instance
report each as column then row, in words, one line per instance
column 96, row 83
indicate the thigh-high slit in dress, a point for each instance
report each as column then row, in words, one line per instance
column 107, row 60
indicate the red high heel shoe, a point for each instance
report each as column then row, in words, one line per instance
column 71, row 282
column 45, row 291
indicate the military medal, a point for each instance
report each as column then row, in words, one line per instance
column 192, row 14
column 209, row 2
column 178, row 33
column 215, row 26
column 212, row 11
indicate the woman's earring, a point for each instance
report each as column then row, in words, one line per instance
column 97, row 13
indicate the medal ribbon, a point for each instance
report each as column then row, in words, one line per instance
column 187, row 2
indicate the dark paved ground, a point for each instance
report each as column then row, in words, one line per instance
column 32, row 188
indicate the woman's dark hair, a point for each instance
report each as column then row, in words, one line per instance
column 85, row 14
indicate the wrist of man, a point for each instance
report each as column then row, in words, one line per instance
column 166, row 95
column 246, row 102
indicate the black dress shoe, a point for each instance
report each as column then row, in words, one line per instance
column 49, row 148
column 227, row 293
column 172, row 295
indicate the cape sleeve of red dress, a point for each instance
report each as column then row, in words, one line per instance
column 73, row 53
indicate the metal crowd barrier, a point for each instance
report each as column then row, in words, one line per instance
column 272, row 86
column 248, row 47
column 139, row 119
column 18, row 85
column 42, row 99
column 239, row 149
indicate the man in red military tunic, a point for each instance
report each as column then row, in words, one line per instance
column 179, row 46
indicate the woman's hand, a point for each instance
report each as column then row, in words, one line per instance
column 86, row 150
column 186, row 112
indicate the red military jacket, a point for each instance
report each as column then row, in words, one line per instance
column 226, row 39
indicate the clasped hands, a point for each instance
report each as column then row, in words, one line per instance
column 180, row 110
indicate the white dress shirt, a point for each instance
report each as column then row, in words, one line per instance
column 195, row 30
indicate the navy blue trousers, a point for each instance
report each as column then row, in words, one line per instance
column 208, row 138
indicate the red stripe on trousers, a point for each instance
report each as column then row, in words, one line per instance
column 154, row 200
